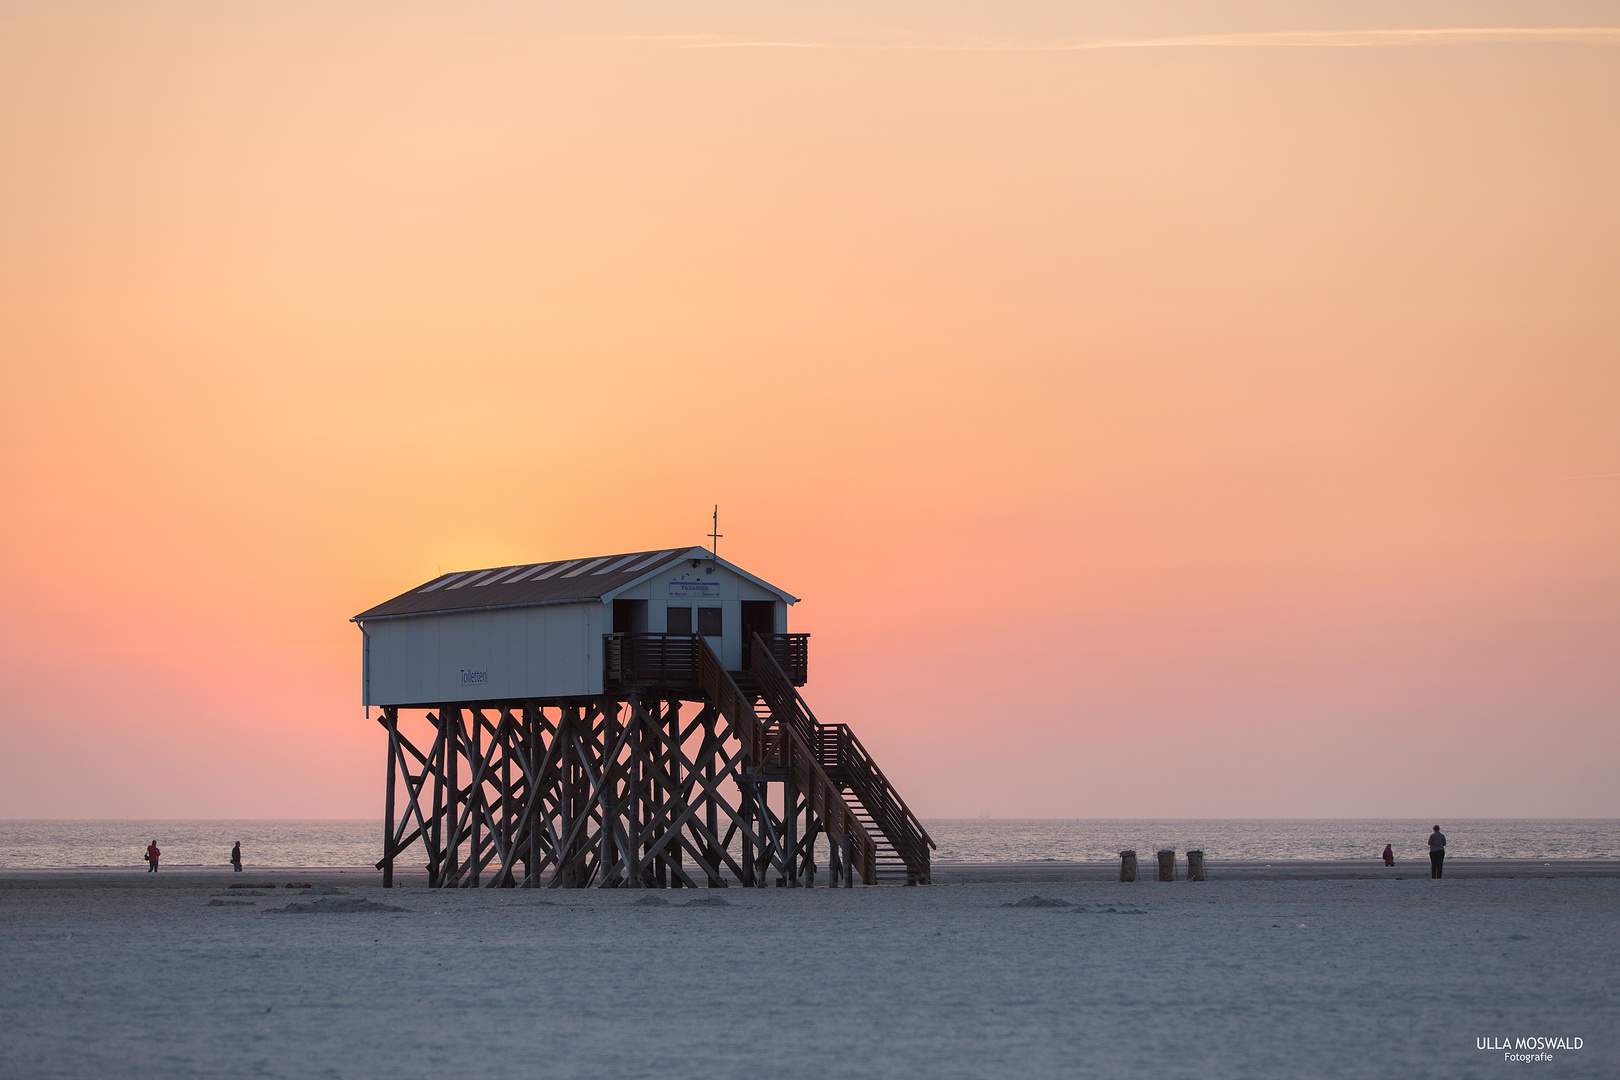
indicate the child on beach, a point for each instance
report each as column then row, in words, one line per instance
column 1389, row 855
column 152, row 854
column 236, row 857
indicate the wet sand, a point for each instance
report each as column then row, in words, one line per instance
column 1258, row 972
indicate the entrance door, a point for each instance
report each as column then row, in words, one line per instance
column 629, row 616
column 712, row 625
column 758, row 617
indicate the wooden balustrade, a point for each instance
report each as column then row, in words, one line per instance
column 660, row 659
column 790, row 651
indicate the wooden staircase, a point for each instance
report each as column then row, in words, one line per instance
column 902, row 844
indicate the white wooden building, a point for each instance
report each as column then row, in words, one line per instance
column 535, row 630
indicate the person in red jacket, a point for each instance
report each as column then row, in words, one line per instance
column 152, row 854
column 1389, row 855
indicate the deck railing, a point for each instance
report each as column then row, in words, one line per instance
column 671, row 659
column 790, row 651
column 664, row 659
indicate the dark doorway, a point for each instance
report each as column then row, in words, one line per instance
column 680, row 620
column 758, row 617
column 629, row 616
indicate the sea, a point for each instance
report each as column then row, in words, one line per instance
column 31, row 845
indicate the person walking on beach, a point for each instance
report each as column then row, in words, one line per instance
column 1437, row 852
column 236, row 857
column 1389, row 855
column 152, row 855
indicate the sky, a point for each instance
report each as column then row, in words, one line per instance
column 1195, row 410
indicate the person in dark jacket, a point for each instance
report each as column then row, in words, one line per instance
column 236, row 857
column 152, row 854
column 1437, row 852
column 1389, row 855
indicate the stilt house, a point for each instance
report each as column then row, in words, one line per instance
column 553, row 749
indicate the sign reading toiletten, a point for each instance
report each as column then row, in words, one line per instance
column 694, row 590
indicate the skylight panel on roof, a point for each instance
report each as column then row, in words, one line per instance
column 644, row 563
column 615, row 566
column 493, row 579
column 526, row 573
column 470, row 580
column 555, row 570
column 441, row 583
column 593, row 563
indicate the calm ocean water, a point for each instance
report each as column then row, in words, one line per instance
column 46, row 844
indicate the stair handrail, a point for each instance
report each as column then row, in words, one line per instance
column 848, row 733
column 886, row 803
column 820, row 793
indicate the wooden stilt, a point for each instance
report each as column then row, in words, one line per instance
column 711, row 807
column 672, row 718
column 391, row 717
column 456, row 748
column 790, row 826
column 475, row 797
column 435, row 863
column 531, row 730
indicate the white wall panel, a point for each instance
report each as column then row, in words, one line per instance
column 538, row 652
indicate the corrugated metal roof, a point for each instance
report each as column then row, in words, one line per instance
column 561, row 581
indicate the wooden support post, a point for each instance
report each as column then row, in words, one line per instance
column 745, row 798
column 453, row 748
column 508, row 810
column 1195, row 866
column 849, row 864
column 607, row 803
column 475, row 797
column 790, row 826
column 572, row 779
column 531, row 865
column 633, row 803
column 1127, row 866
column 673, row 718
column 1167, row 865
column 436, row 862
column 392, row 716
column 712, row 810
column 657, row 797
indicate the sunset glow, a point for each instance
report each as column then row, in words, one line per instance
column 1166, row 414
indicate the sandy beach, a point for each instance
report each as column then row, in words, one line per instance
column 125, row 974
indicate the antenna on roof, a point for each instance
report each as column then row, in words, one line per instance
column 715, row 534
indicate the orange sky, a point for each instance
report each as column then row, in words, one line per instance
column 1197, row 412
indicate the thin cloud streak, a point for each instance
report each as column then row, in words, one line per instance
column 1294, row 39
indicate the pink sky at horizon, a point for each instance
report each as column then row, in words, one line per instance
column 1208, row 411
